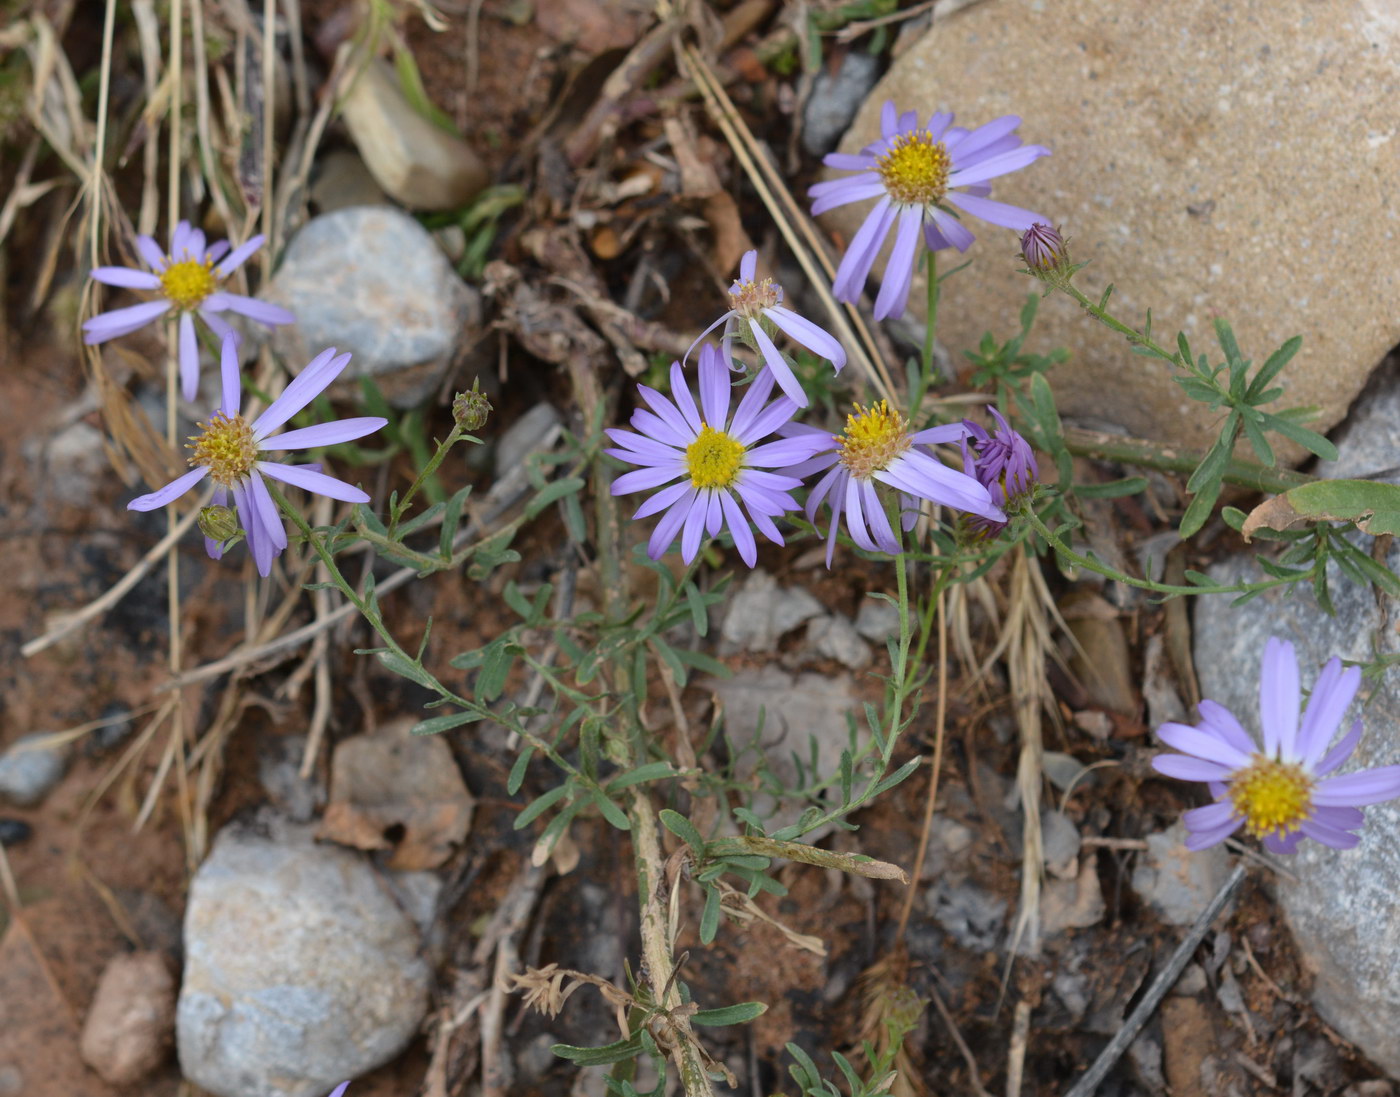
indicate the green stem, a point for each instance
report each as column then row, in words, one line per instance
column 1169, row 458
column 1088, row 563
column 455, row 435
column 930, row 324
column 1103, row 316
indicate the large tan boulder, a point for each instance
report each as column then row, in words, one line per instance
column 1212, row 159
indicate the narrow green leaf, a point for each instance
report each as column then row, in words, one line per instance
column 451, row 518
column 406, row 668
column 709, row 917
column 552, row 493
column 445, row 723
column 600, row 1056
column 611, row 812
column 1310, row 440
column 1226, row 337
column 540, row 804
column 683, row 829
column 652, row 771
column 517, row 771
column 736, row 1014
column 1112, row 489
column 1271, row 368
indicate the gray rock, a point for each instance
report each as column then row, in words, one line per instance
column 343, row 181
column 372, row 281
column 795, row 711
column 834, row 637
column 1153, row 191
column 877, row 621
column 72, row 460
column 762, row 611
column 29, row 773
column 1177, row 883
column 301, row 970
column 1059, row 840
column 1368, row 445
column 279, row 773
column 972, row 916
column 1339, row 903
column 525, row 436
column 835, row 99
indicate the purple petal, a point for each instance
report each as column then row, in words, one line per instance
column 1279, row 699
column 220, row 327
column 230, row 378
column 860, row 256
column 1341, row 752
column 694, row 527
column 714, row 512
column 269, row 516
column 1287, row 844
column 260, row 542
column 985, row 134
column 125, row 276
column 993, row 166
column 899, row 268
column 664, row 498
column 714, row 387
column 1328, row 836
column 748, row 265
column 178, row 238
column 855, row 517
column 1369, row 786
column 643, row 479
column 750, row 406
column 1332, row 695
column 682, row 433
column 1211, row 816
column 1185, row 768
column 889, row 119
column 150, row 251
column 787, row 380
column 251, row 307
column 686, row 357
column 302, row 477
column 879, row 521
column 189, row 358
column 685, row 402
column 938, row 122
column 1222, row 721
column 855, row 189
column 671, row 523
column 326, row 434
column 948, row 432
column 805, row 333
column 238, row 256
column 195, row 245
column 1343, row 818
column 845, row 161
column 117, row 322
column 172, row 491
column 764, row 524
column 305, row 387
column 951, row 229
column 996, row 213
column 1202, row 743
column 780, row 454
column 216, row 251
column 1204, row 839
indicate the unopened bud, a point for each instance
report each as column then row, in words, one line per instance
column 218, row 523
column 1043, row 249
column 471, row 409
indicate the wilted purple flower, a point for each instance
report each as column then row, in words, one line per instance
column 187, row 280
column 752, row 303
column 876, row 446
column 1003, row 463
column 712, row 457
column 230, row 450
column 913, row 171
column 1282, row 793
column 1043, row 248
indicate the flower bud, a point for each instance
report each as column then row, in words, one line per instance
column 218, row 523
column 471, row 409
column 1043, row 249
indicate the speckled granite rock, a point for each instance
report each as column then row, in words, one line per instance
column 1230, row 158
column 1342, row 904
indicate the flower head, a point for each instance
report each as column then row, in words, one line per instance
column 232, row 452
column 1003, row 463
column 919, row 173
column 1043, row 248
column 471, row 409
column 1283, row 792
column 185, row 279
column 757, row 312
column 712, row 458
column 877, row 446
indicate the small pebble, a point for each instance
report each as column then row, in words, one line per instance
column 14, row 831
column 131, row 1023
column 28, row 775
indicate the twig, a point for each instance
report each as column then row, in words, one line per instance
column 974, row 1076
column 1099, row 842
column 1020, row 1037
column 939, row 723
column 1166, row 978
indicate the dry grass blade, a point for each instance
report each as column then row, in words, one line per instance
column 850, row 327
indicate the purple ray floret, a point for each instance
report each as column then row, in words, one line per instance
column 711, row 469
column 754, row 301
column 1002, row 462
column 187, row 280
column 232, row 452
column 1285, row 791
column 922, row 177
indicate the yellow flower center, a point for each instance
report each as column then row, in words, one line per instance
column 874, row 437
column 751, row 298
column 188, row 282
column 714, row 458
column 226, row 447
column 1274, row 797
column 915, row 170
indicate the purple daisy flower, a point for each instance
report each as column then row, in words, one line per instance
column 1003, row 463
column 1282, row 793
column 187, row 280
column 755, row 302
column 913, row 171
column 230, row 450
column 713, row 459
column 877, row 446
